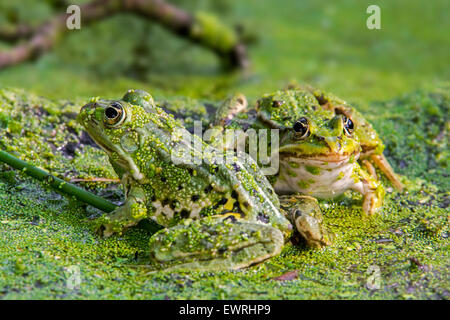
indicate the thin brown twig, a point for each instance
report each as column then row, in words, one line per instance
column 43, row 38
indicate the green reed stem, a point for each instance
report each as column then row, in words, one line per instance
column 57, row 183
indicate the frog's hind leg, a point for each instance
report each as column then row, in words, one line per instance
column 382, row 163
column 229, row 108
column 214, row 243
column 304, row 212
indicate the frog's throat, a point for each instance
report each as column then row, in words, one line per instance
column 317, row 177
column 124, row 160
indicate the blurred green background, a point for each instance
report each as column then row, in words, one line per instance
column 324, row 43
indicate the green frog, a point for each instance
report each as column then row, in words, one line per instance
column 217, row 214
column 325, row 146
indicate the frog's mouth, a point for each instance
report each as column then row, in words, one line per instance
column 329, row 157
column 92, row 128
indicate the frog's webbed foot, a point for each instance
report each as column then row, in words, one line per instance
column 382, row 163
column 120, row 219
column 214, row 243
column 125, row 216
column 304, row 212
column 229, row 108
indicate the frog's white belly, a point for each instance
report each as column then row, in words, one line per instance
column 327, row 180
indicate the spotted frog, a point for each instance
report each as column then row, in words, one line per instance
column 325, row 146
column 216, row 214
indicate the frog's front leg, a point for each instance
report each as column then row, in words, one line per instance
column 382, row 163
column 214, row 243
column 371, row 189
column 304, row 212
column 127, row 215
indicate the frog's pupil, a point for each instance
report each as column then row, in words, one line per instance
column 301, row 126
column 348, row 124
column 111, row 113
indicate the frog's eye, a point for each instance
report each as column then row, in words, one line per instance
column 349, row 127
column 114, row 114
column 301, row 128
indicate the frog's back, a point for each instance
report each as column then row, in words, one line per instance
column 187, row 178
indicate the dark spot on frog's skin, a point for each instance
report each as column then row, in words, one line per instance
column 277, row 103
column 263, row 217
column 297, row 214
column 184, row 213
column 244, row 234
column 236, row 167
column 195, row 197
column 208, row 189
column 232, row 219
column 321, row 99
column 174, row 204
column 246, row 204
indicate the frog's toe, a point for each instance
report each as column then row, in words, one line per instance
column 104, row 230
column 304, row 212
column 311, row 228
column 373, row 201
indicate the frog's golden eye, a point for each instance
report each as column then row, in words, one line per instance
column 114, row 114
column 301, row 128
column 349, row 127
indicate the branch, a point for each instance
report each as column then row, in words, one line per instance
column 56, row 183
column 202, row 29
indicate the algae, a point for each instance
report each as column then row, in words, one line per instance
column 45, row 235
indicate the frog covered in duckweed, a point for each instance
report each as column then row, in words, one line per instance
column 219, row 211
column 325, row 146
